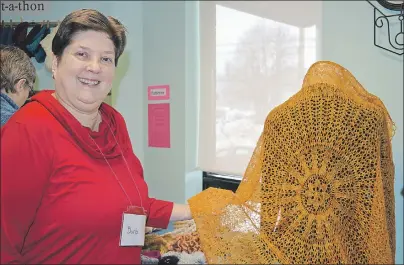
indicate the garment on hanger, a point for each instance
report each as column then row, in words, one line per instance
column 19, row 35
column 30, row 37
column 7, row 35
column 46, row 44
column 4, row 33
column 34, row 46
column 29, row 43
column 9, row 40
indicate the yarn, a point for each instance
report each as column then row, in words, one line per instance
column 319, row 188
column 46, row 44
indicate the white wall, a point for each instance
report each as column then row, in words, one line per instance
column 170, row 57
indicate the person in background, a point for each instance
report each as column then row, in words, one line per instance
column 17, row 80
column 72, row 189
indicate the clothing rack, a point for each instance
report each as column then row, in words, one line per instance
column 50, row 24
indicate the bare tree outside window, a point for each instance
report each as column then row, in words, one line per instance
column 260, row 63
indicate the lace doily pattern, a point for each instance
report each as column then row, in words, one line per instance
column 319, row 188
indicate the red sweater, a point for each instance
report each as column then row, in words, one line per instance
column 60, row 202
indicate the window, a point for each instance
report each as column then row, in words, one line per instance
column 254, row 55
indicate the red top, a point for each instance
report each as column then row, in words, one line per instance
column 60, row 202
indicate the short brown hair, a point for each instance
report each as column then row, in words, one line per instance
column 89, row 19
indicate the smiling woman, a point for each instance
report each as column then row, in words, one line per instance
column 84, row 77
column 81, row 187
column 84, row 72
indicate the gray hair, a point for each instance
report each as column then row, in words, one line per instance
column 15, row 65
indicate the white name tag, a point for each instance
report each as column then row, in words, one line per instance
column 133, row 230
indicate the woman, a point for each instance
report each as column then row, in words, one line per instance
column 72, row 190
column 319, row 188
column 17, row 80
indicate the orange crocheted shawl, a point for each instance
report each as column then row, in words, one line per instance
column 319, row 188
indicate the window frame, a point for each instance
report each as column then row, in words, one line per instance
column 207, row 55
column 221, row 181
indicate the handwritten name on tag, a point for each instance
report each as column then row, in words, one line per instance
column 133, row 230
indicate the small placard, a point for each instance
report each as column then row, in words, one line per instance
column 159, row 92
column 133, row 230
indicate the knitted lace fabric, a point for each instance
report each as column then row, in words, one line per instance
column 319, row 188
